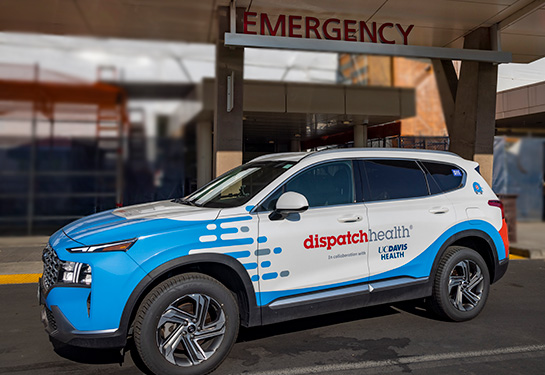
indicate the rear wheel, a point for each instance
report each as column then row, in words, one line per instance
column 461, row 285
column 186, row 325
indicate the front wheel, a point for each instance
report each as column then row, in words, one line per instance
column 461, row 284
column 186, row 325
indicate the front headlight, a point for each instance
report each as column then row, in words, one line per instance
column 112, row 246
column 75, row 273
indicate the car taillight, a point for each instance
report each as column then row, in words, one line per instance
column 496, row 203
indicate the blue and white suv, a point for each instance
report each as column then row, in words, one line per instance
column 285, row 236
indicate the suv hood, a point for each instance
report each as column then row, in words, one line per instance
column 136, row 221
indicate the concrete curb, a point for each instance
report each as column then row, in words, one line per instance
column 20, row 279
column 15, row 268
column 527, row 252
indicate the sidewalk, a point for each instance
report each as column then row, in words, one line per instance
column 21, row 255
column 530, row 240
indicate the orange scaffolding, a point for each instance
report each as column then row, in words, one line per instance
column 32, row 95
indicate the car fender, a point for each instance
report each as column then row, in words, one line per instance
column 459, row 236
column 253, row 317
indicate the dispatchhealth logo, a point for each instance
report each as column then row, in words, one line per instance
column 315, row 241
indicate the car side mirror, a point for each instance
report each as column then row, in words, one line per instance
column 290, row 202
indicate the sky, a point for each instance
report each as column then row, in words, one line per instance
column 156, row 61
column 183, row 62
column 511, row 76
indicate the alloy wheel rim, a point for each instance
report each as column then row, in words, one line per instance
column 466, row 284
column 190, row 330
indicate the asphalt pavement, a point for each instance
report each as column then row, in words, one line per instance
column 508, row 337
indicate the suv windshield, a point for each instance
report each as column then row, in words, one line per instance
column 237, row 186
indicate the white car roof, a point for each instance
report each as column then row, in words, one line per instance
column 284, row 156
column 367, row 152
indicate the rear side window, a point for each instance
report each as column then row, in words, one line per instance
column 393, row 179
column 444, row 177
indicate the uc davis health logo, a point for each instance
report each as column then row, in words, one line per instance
column 392, row 251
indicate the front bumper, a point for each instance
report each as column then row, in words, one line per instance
column 81, row 314
column 59, row 328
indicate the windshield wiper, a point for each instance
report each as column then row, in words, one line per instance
column 230, row 195
column 184, row 201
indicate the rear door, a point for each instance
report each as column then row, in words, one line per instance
column 405, row 220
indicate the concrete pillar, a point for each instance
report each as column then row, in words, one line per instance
column 229, row 77
column 204, row 152
column 295, row 145
column 360, row 135
column 447, row 84
column 473, row 129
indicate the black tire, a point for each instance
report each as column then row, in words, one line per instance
column 186, row 311
column 461, row 285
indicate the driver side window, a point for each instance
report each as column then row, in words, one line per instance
column 326, row 184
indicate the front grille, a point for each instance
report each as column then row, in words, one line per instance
column 52, row 267
column 52, row 324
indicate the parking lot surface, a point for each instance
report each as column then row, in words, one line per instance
column 507, row 338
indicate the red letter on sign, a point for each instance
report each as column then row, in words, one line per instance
column 280, row 22
column 308, row 243
column 364, row 29
column 335, row 30
column 381, row 33
column 355, row 238
column 405, row 33
column 248, row 22
column 292, row 26
column 314, row 27
column 349, row 32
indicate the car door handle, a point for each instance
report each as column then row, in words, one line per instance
column 350, row 219
column 438, row 210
